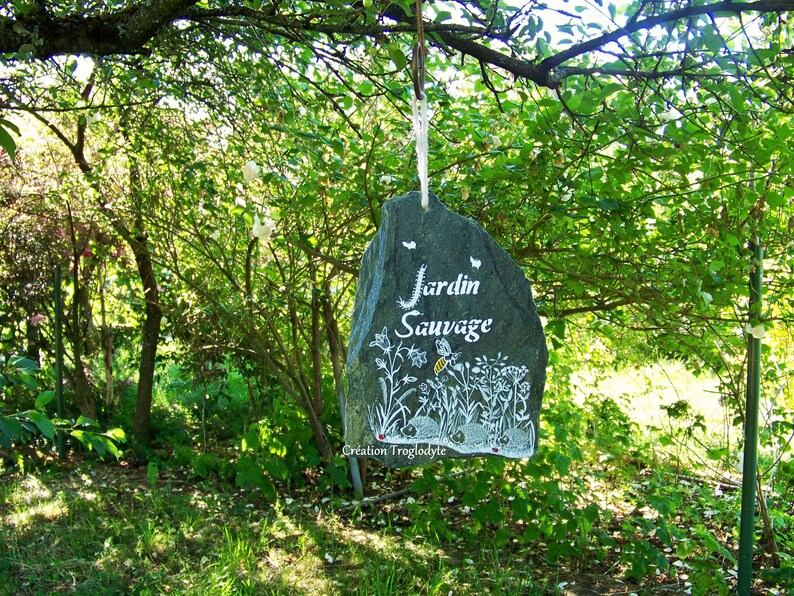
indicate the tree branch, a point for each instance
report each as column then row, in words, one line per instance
column 41, row 36
column 725, row 7
column 128, row 31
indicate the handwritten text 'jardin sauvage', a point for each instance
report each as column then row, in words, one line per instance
column 470, row 329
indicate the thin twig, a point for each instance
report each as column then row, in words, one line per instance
column 389, row 496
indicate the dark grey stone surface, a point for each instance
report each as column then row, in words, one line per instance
column 446, row 356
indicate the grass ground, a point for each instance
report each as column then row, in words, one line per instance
column 622, row 519
column 105, row 529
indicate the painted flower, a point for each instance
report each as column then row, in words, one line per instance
column 424, row 388
column 382, row 341
column 380, row 363
column 417, row 358
column 501, row 390
column 251, row 171
column 515, row 374
column 263, row 229
column 408, row 380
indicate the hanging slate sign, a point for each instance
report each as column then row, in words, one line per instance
column 446, row 356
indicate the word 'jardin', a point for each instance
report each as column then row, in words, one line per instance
column 462, row 286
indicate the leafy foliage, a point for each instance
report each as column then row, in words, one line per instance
column 18, row 375
column 224, row 164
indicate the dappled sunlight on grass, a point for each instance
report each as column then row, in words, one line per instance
column 157, row 541
column 645, row 389
column 681, row 408
column 32, row 502
column 108, row 527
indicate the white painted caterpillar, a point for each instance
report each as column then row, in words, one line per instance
column 420, row 278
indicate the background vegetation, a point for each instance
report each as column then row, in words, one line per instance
column 206, row 175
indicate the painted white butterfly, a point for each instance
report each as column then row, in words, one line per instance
column 475, row 262
column 410, row 245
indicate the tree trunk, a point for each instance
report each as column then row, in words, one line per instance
column 150, row 339
column 358, row 467
column 320, row 436
column 139, row 243
column 83, row 396
column 107, row 351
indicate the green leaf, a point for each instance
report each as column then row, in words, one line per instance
column 11, row 428
column 27, row 380
column 22, row 364
column 151, row 473
column 338, row 475
column 780, row 575
column 609, row 204
column 608, row 90
column 116, row 434
column 397, row 56
column 23, row 7
column 9, row 125
column 731, row 239
column 717, row 454
column 562, row 463
column 775, row 199
column 84, row 421
column 99, row 443
column 251, row 474
column 42, row 422
column 44, row 398
column 716, row 266
column 406, row 5
column 557, row 328
column 7, row 142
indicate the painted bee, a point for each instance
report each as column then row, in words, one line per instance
column 447, row 356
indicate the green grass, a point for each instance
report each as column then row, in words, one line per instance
column 109, row 532
column 103, row 529
column 683, row 409
column 632, row 512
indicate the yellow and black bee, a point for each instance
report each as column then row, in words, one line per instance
column 446, row 355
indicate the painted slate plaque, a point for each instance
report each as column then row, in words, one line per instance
column 446, row 356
